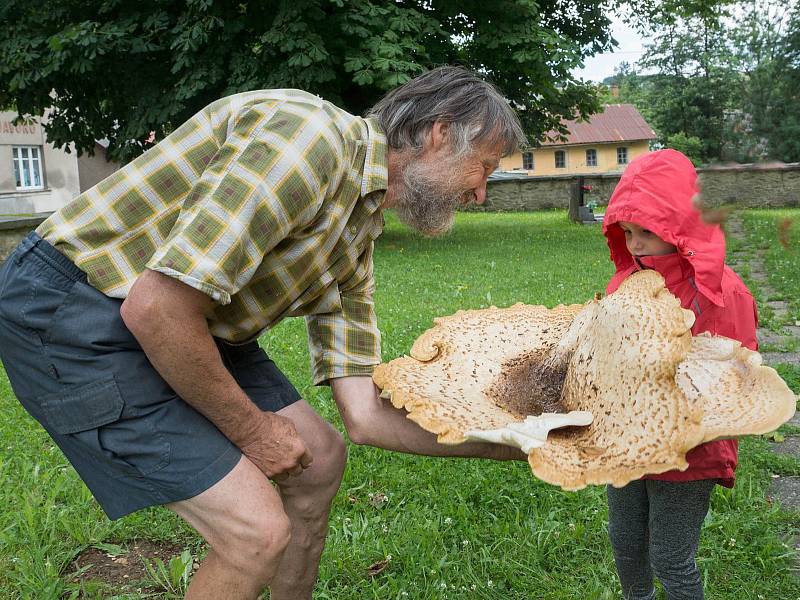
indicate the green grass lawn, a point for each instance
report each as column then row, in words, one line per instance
column 448, row 528
column 781, row 258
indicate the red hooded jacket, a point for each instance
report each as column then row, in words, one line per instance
column 656, row 192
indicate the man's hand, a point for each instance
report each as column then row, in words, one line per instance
column 274, row 446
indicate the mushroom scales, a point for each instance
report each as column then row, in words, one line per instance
column 627, row 365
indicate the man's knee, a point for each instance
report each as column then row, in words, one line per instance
column 255, row 545
column 311, row 493
column 335, row 456
column 269, row 536
column 330, row 456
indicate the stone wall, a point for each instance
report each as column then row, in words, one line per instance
column 535, row 193
column 751, row 186
column 13, row 229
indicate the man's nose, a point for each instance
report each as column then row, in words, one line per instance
column 480, row 194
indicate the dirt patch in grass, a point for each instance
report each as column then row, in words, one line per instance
column 120, row 568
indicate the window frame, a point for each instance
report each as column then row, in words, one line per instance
column 24, row 177
column 624, row 155
column 593, row 161
column 530, row 161
column 563, row 154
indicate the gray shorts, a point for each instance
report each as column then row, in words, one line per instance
column 77, row 370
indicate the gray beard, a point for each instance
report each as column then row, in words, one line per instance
column 427, row 203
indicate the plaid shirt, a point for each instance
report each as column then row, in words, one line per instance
column 268, row 202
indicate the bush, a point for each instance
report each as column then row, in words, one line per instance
column 690, row 145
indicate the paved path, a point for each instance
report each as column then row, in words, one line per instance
column 776, row 347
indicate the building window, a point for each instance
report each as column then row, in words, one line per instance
column 527, row 161
column 591, row 157
column 27, row 167
column 561, row 159
column 622, row 156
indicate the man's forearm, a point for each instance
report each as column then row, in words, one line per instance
column 372, row 421
column 178, row 343
column 169, row 320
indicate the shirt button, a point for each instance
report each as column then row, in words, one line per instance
column 353, row 229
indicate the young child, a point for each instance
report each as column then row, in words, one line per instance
column 651, row 223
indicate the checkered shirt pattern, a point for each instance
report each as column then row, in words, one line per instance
column 267, row 201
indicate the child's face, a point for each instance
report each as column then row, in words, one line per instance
column 643, row 242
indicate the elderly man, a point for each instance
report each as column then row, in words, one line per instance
column 128, row 320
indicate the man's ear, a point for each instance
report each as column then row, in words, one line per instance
column 438, row 134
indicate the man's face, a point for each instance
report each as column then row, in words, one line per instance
column 436, row 182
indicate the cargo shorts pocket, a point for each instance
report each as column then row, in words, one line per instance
column 89, row 419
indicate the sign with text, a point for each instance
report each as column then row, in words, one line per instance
column 19, row 133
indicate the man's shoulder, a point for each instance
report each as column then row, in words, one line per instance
column 243, row 100
column 299, row 103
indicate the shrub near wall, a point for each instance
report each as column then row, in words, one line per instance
column 748, row 186
column 12, row 230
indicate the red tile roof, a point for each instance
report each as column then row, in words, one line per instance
column 617, row 123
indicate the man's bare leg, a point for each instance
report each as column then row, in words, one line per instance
column 242, row 519
column 261, row 536
column 307, row 500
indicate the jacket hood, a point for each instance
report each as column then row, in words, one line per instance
column 656, row 192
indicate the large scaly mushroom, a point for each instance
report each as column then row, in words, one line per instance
column 603, row 392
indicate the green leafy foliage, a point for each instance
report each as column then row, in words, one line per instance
column 690, row 145
column 172, row 577
column 691, row 75
column 120, row 70
column 727, row 74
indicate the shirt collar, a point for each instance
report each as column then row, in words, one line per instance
column 376, row 163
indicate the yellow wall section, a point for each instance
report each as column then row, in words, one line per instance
column 544, row 159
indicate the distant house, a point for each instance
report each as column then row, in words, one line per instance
column 605, row 143
column 37, row 177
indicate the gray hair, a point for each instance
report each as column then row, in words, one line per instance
column 474, row 109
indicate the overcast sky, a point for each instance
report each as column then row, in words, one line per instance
column 630, row 49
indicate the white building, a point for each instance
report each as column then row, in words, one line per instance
column 36, row 177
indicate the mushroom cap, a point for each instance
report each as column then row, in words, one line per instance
column 654, row 391
column 446, row 383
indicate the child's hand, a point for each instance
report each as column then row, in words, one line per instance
column 532, row 432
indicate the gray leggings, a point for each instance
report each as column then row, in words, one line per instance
column 654, row 528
